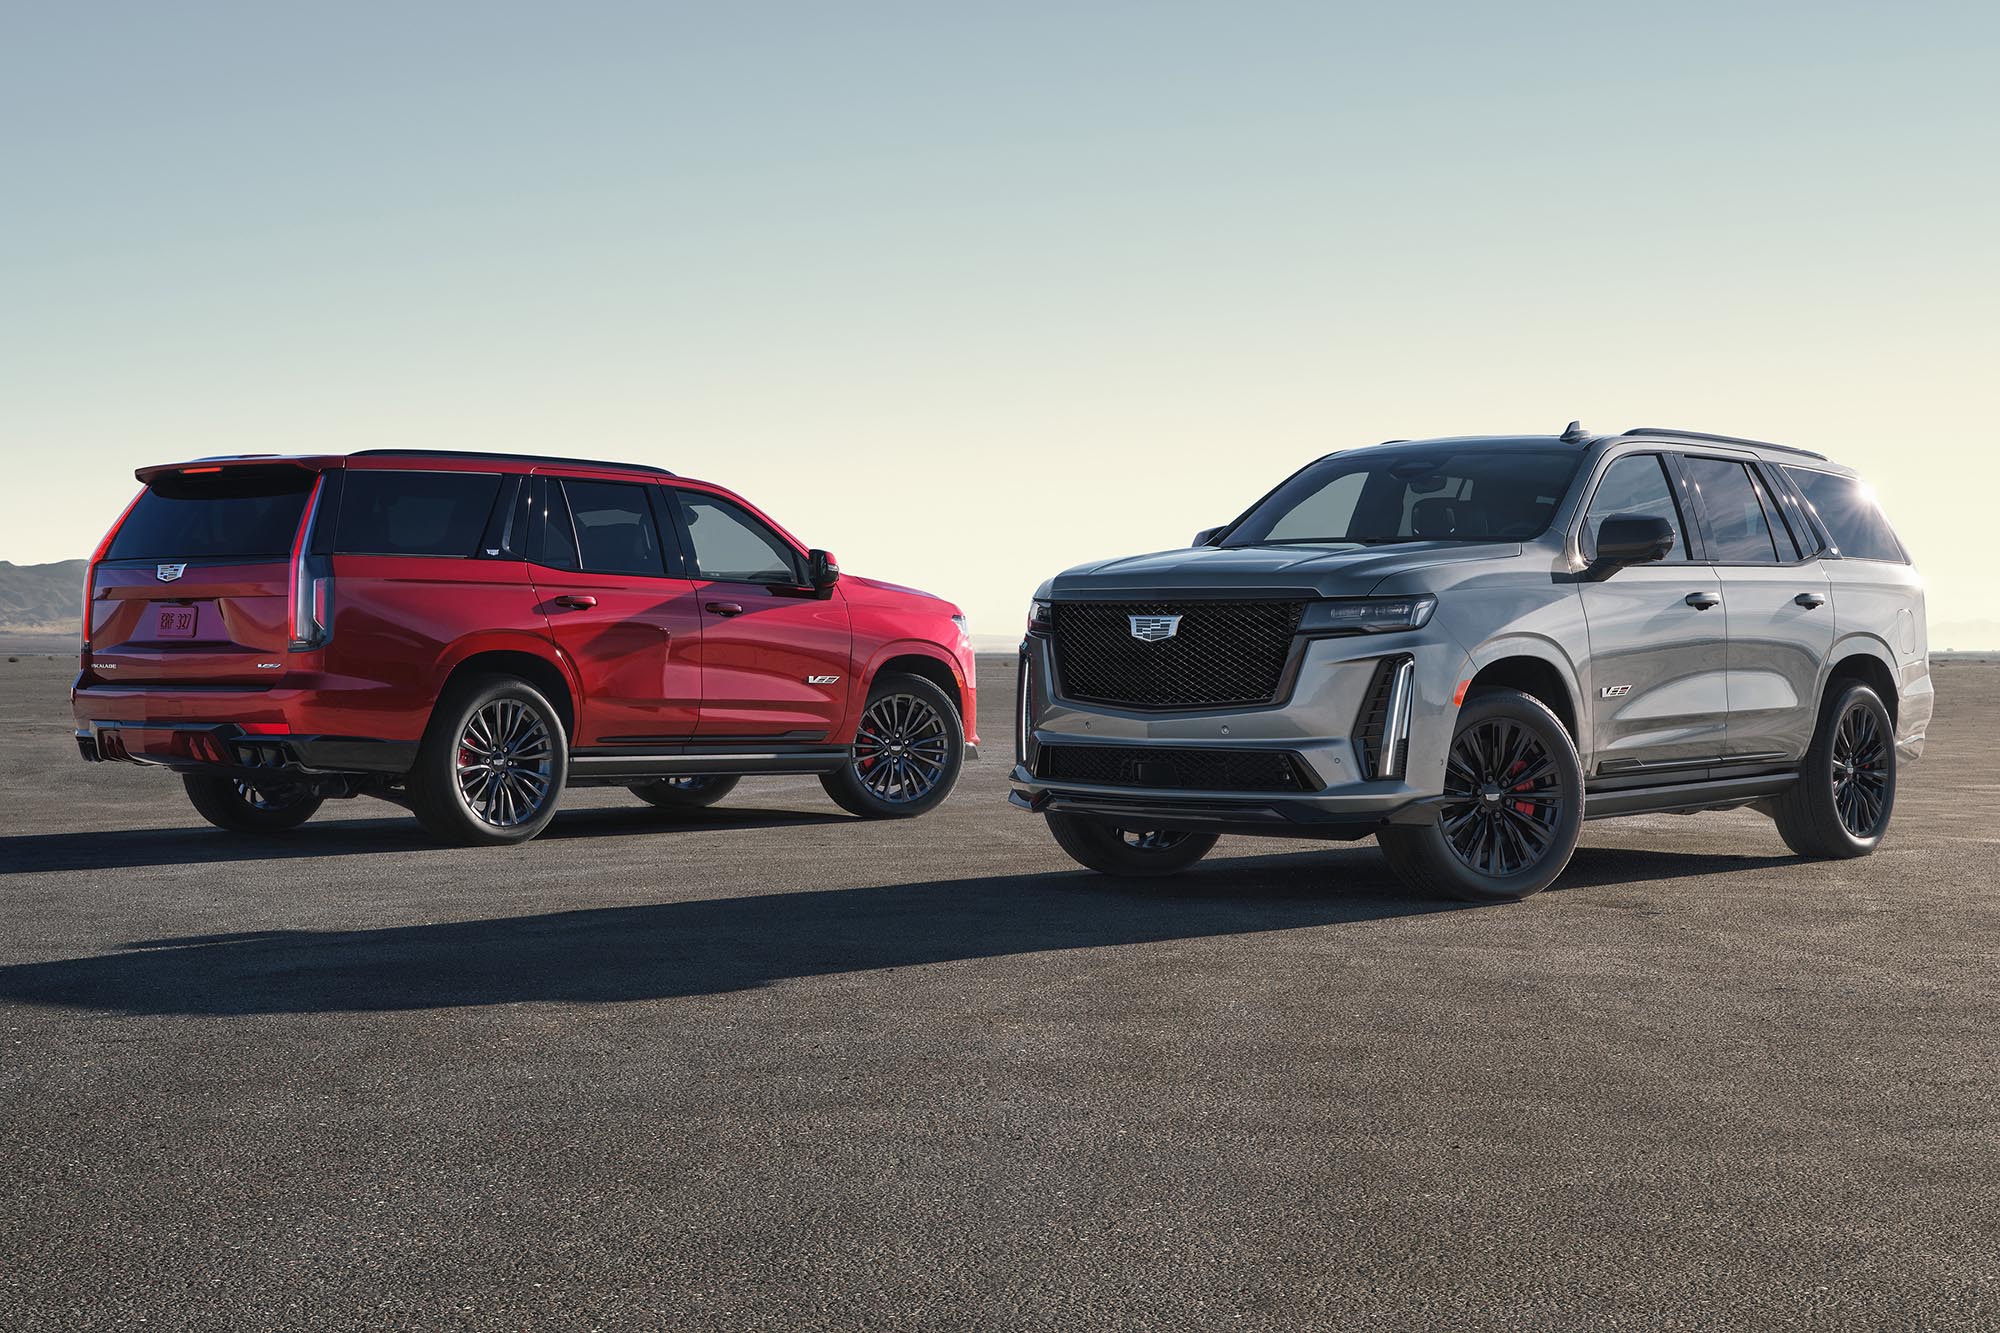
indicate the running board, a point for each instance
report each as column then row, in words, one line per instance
column 598, row 768
column 1684, row 797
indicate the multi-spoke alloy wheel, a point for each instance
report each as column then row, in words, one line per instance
column 1503, row 804
column 505, row 763
column 903, row 749
column 1511, row 807
column 1860, row 771
column 908, row 749
column 264, row 805
column 1845, row 794
column 1123, row 851
column 492, row 765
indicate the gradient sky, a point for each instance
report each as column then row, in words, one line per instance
column 972, row 293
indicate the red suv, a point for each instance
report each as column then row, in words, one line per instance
column 467, row 634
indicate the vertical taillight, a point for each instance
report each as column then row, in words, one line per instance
column 90, row 574
column 311, row 583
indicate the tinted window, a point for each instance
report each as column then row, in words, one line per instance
column 1737, row 530
column 414, row 513
column 1635, row 484
column 557, row 539
column 731, row 546
column 615, row 533
column 1414, row 493
column 1850, row 515
column 245, row 512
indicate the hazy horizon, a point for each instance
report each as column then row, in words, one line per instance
column 968, row 296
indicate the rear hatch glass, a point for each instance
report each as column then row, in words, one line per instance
column 196, row 587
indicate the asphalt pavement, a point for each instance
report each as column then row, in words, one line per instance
column 772, row 1067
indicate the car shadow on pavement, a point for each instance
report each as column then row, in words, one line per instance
column 717, row 945
column 124, row 849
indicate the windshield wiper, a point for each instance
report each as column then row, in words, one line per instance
column 1343, row 541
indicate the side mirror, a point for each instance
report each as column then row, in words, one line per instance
column 823, row 570
column 1632, row 539
column 1205, row 536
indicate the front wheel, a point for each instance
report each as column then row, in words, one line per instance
column 907, row 752
column 259, row 806
column 1846, row 790
column 1512, row 807
column 1138, row 853
column 692, row 793
column 492, row 765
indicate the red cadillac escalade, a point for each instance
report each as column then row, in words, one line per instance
column 468, row 634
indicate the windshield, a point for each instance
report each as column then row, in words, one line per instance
column 1375, row 497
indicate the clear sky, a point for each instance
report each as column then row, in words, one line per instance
column 970, row 293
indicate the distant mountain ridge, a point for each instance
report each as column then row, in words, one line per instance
column 41, row 599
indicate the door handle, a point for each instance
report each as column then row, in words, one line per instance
column 1809, row 600
column 726, row 608
column 1701, row 601
column 576, row 601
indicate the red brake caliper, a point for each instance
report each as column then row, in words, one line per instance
column 1525, row 807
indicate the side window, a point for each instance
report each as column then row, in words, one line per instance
column 732, row 547
column 390, row 512
column 1850, row 515
column 1635, row 484
column 1738, row 532
column 615, row 533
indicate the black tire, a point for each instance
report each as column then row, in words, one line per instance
column 1133, row 853
column 1504, row 840
column 247, row 807
column 907, row 752
column 686, row 793
column 1841, row 805
column 505, row 801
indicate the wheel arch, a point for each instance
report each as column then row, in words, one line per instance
column 917, row 659
column 1868, row 660
column 1540, row 673
column 528, row 658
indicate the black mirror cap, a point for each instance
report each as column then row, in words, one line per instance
column 1633, row 539
column 1207, row 536
column 825, row 570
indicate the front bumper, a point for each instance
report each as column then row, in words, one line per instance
column 1315, row 723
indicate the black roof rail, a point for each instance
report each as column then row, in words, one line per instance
column 511, row 458
column 1670, row 433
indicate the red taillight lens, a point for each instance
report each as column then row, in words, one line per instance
column 312, row 584
column 90, row 569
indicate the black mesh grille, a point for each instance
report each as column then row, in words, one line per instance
column 1222, row 654
column 1189, row 769
column 1373, row 721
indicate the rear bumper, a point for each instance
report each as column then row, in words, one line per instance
column 227, row 749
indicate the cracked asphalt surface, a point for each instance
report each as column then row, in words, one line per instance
column 772, row 1068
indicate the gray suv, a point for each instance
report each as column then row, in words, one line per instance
column 1466, row 647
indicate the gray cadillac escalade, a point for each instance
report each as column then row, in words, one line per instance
column 1466, row 647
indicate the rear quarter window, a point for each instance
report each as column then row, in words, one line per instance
column 244, row 513
column 1847, row 510
column 414, row 513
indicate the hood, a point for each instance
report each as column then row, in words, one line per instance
column 1333, row 570
column 856, row 588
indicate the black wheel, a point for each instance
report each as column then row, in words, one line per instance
column 1846, row 792
column 1112, row 850
column 492, row 765
column 907, row 752
column 1512, row 811
column 686, row 793
column 261, row 806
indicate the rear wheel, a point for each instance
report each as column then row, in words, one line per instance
column 1112, row 850
column 492, row 766
column 1512, row 808
column 242, row 806
column 686, row 793
column 1840, row 806
column 907, row 752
